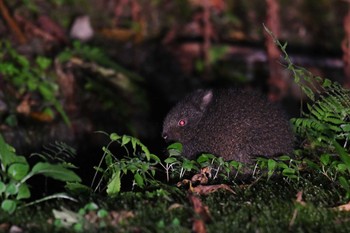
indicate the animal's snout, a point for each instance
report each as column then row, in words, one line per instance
column 165, row 135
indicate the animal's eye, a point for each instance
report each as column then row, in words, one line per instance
column 182, row 122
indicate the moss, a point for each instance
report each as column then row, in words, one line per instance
column 264, row 206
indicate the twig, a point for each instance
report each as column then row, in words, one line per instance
column 12, row 23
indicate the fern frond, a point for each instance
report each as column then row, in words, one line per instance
column 58, row 152
column 328, row 118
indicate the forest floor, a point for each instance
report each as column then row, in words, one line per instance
column 309, row 205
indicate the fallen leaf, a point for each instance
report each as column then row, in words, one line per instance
column 198, row 226
column 345, row 207
column 207, row 189
column 24, row 107
column 120, row 216
column 175, row 206
column 92, row 217
column 300, row 198
column 203, row 176
column 202, row 214
column 119, row 34
column 199, row 208
column 41, row 116
column 184, row 182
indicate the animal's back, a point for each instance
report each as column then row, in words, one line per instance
column 239, row 125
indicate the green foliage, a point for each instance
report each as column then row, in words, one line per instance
column 327, row 120
column 30, row 77
column 177, row 166
column 56, row 152
column 284, row 165
column 15, row 172
column 326, row 125
column 141, row 164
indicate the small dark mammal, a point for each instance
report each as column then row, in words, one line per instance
column 234, row 124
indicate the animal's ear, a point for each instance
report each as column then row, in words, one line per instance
column 206, row 99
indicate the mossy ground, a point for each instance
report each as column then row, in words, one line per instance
column 264, row 206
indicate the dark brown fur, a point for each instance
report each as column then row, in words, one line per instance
column 234, row 124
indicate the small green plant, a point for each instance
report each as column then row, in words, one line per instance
column 143, row 166
column 56, row 152
column 30, row 77
column 220, row 167
column 16, row 171
column 140, row 163
column 284, row 165
column 176, row 165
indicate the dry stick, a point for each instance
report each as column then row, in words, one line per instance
column 12, row 23
column 299, row 201
column 292, row 221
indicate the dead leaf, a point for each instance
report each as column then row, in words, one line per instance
column 203, row 176
column 23, row 107
column 175, row 206
column 300, row 198
column 198, row 226
column 119, row 34
column 117, row 217
column 199, row 208
column 345, row 207
column 184, row 182
column 41, row 116
column 204, row 190
column 92, row 217
column 202, row 212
